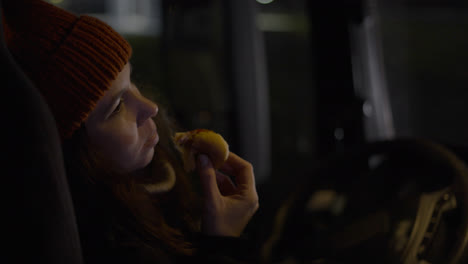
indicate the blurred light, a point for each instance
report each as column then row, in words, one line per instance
column 339, row 205
column 264, row 1
column 367, row 109
column 321, row 200
column 375, row 161
column 277, row 22
column 56, row 2
column 339, row 133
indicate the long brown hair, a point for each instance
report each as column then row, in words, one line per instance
column 116, row 208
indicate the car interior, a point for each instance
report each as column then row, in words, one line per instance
column 351, row 111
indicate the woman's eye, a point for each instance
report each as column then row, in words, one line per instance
column 119, row 106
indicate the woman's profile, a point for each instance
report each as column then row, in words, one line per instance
column 116, row 142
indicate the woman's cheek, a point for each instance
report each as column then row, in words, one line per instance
column 118, row 139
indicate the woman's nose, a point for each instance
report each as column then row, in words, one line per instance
column 148, row 109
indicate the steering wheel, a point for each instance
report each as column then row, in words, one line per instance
column 400, row 201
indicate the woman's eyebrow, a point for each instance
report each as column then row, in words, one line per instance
column 113, row 99
column 108, row 106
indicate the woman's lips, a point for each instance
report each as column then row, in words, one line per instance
column 153, row 140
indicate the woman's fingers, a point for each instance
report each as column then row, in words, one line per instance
column 241, row 169
column 228, row 207
column 207, row 177
column 244, row 176
column 225, row 184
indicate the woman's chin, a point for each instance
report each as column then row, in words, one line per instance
column 148, row 158
column 143, row 161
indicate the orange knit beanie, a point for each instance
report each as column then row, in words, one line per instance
column 71, row 59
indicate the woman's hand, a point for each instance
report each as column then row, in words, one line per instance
column 227, row 207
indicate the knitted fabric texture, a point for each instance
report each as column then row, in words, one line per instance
column 71, row 59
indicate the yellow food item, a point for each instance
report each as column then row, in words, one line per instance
column 201, row 141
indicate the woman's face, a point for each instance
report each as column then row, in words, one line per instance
column 121, row 125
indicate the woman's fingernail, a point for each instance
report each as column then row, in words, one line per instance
column 203, row 160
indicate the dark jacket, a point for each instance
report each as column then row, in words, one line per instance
column 109, row 237
column 211, row 250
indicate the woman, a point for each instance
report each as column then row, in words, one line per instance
column 134, row 202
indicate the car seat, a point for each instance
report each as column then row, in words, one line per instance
column 40, row 221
